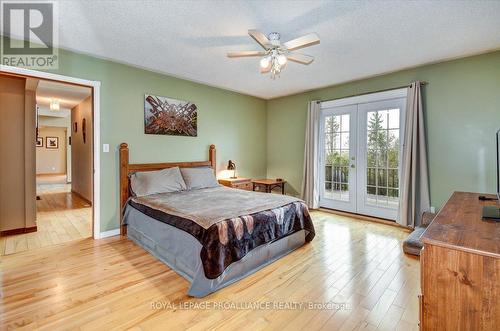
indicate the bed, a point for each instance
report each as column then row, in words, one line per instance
column 212, row 236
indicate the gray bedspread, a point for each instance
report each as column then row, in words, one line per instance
column 209, row 206
column 228, row 223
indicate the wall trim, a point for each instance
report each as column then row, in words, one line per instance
column 110, row 233
column 81, row 197
column 18, row 231
column 96, row 119
column 364, row 218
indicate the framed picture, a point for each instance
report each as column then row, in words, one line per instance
column 169, row 116
column 52, row 142
column 39, row 142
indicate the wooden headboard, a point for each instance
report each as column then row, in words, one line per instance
column 127, row 168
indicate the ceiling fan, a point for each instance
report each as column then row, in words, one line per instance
column 275, row 54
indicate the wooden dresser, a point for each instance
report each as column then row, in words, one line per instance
column 460, row 268
column 239, row 183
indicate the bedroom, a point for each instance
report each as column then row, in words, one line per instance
column 260, row 124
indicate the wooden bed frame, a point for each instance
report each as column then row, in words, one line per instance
column 127, row 168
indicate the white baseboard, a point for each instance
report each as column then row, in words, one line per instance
column 109, row 233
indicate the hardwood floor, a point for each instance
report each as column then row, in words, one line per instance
column 61, row 217
column 114, row 284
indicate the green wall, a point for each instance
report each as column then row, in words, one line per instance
column 462, row 112
column 235, row 123
column 462, row 105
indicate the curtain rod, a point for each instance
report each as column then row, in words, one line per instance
column 384, row 90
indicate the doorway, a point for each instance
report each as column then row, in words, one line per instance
column 63, row 162
column 360, row 158
column 92, row 209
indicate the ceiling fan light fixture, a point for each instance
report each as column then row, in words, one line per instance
column 265, row 62
column 282, row 59
column 276, row 54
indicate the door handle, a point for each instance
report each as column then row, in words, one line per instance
column 353, row 166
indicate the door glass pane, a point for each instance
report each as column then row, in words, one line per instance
column 382, row 158
column 337, row 157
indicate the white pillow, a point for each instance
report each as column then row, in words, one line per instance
column 196, row 178
column 161, row 181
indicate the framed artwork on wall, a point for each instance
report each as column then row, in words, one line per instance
column 167, row 116
column 52, row 142
column 39, row 142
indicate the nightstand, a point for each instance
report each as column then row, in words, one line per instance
column 239, row 183
column 268, row 185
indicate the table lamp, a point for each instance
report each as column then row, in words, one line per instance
column 232, row 166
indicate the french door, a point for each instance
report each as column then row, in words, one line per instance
column 360, row 154
column 337, row 161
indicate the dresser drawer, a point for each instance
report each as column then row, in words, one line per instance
column 239, row 183
column 243, row 186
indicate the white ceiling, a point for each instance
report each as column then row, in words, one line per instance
column 68, row 95
column 189, row 39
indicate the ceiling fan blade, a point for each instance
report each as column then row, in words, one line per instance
column 300, row 58
column 245, row 53
column 260, row 38
column 301, row 42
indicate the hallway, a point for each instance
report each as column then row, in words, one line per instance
column 62, row 216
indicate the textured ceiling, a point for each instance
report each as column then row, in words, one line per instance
column 189, row 39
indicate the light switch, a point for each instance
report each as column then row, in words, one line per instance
column 105, row 148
